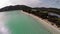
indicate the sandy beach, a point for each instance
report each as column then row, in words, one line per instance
column 45, row 23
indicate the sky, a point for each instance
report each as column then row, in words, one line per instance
column 31, row 3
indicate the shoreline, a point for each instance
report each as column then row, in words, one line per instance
column 47, row 25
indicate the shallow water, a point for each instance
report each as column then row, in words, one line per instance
column 19, row 23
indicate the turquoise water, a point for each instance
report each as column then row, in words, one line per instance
column 19, row 23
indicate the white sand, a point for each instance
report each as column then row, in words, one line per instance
column 48, row 26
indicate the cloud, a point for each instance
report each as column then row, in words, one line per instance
column 25, row 2
column 52, row 3
column 32, row 3
column 4, row 3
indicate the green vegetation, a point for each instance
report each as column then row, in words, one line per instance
column 44, row 14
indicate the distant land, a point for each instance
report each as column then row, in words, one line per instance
column 50, row 14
